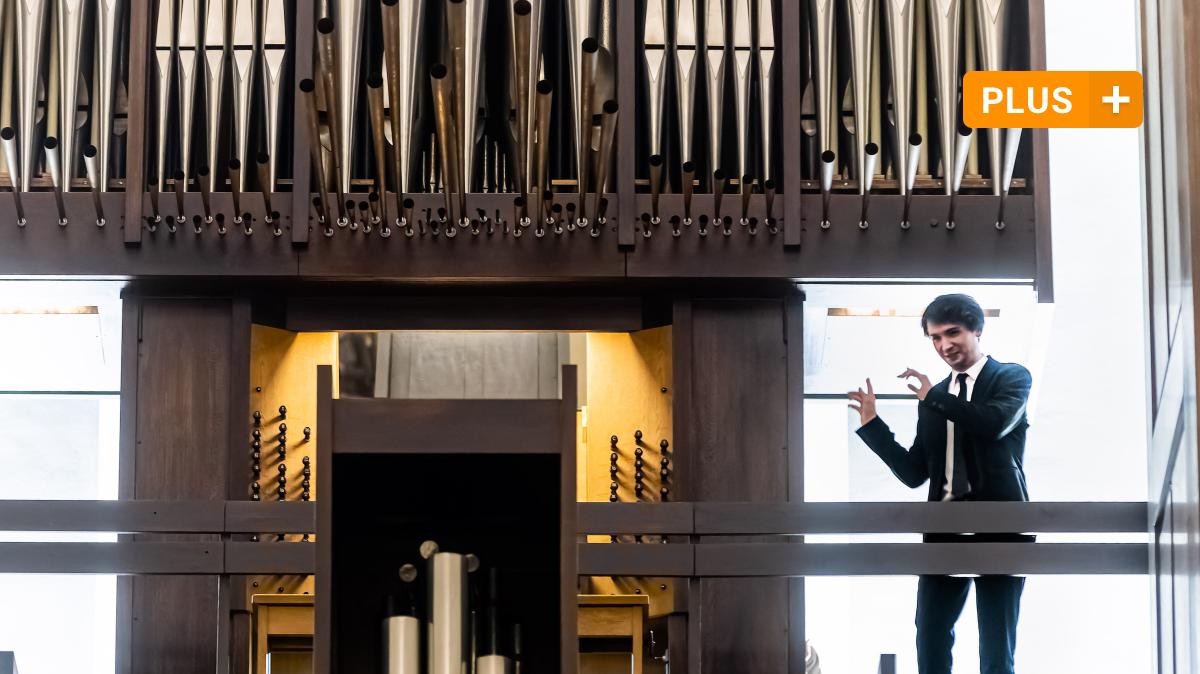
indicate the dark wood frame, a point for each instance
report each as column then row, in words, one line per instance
column 356, row 426
column 1021, row 252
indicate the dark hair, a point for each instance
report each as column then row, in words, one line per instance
column 954, row 309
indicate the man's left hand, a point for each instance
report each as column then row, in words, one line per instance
column 921, row 388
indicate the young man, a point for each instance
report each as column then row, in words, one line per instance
column 970, row 446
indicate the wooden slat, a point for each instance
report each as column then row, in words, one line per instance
column 242, row 557
column 615, row 559
column 601, row 559
column 144, row 558
column 905, row 559
column 270, row 517
column 603, row 314
column 381, row 426
column 706, row 519
column 965, row 517
column 635, row 518
column 113, row 516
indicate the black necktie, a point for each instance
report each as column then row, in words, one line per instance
column 961, row 485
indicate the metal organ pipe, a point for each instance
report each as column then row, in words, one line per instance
column 70, row 29
column 54, row 164
column 402, row 634
column 992, row 18
column 862, row 38
column 8, row 139
column 214, row 85
column 271, row 55
column 944, row 19
column 899, row 24
column 186, row 61
column 448, row 622
column 93, row 172
column 31, row 19
column 444, row 117
column 402, row 629
column 104, row 89
column 243, row 77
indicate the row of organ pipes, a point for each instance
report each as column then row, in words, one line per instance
column 218, row 68
column 63, row 72
column 872, row 69
column 422, row 96
column 436, row 121
column 460, row 118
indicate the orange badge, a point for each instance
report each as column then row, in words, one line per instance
column 1052, row 99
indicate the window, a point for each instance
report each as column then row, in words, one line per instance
column 59, row 423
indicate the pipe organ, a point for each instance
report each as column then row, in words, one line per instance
column 651, row 177
column 553, row 117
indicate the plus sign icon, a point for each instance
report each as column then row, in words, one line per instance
column 1052, row 99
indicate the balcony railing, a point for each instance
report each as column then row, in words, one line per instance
column 697, row 534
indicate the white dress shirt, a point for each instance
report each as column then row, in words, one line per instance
column 972, row 376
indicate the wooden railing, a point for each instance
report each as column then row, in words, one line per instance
column 696, row 533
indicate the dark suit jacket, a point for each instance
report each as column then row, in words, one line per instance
column 994, row 424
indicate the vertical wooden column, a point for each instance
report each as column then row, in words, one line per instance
column 135, row 138
column 793, row 318
column 302, row 60
column 568, row 556
column 184, row 358
column 732, row 430
column 323, row 612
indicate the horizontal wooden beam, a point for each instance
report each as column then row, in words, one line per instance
column 270, row 517
column 704, row 519
column 886, row 518
column 158, row 558
column 973, row 250
column 861, row 559
column 651, row 559
column 143, row 557
column 636, row 518
column 906, row 559
column 499, row 312
column 180, row 517
column 176, row 517
column 270, row 558
column 385, row 426
column 678, row 518
column 722, row 519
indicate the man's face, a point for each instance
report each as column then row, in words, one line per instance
column 957, row 345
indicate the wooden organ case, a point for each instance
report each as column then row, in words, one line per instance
column 663, row 260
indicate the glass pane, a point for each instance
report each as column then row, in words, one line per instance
column 852, row 333
column 1094, row 624
column 60, row 336
column 60, row 623
column 59, row 446
column 62, row 339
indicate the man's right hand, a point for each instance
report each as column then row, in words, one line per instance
column 866, row 403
